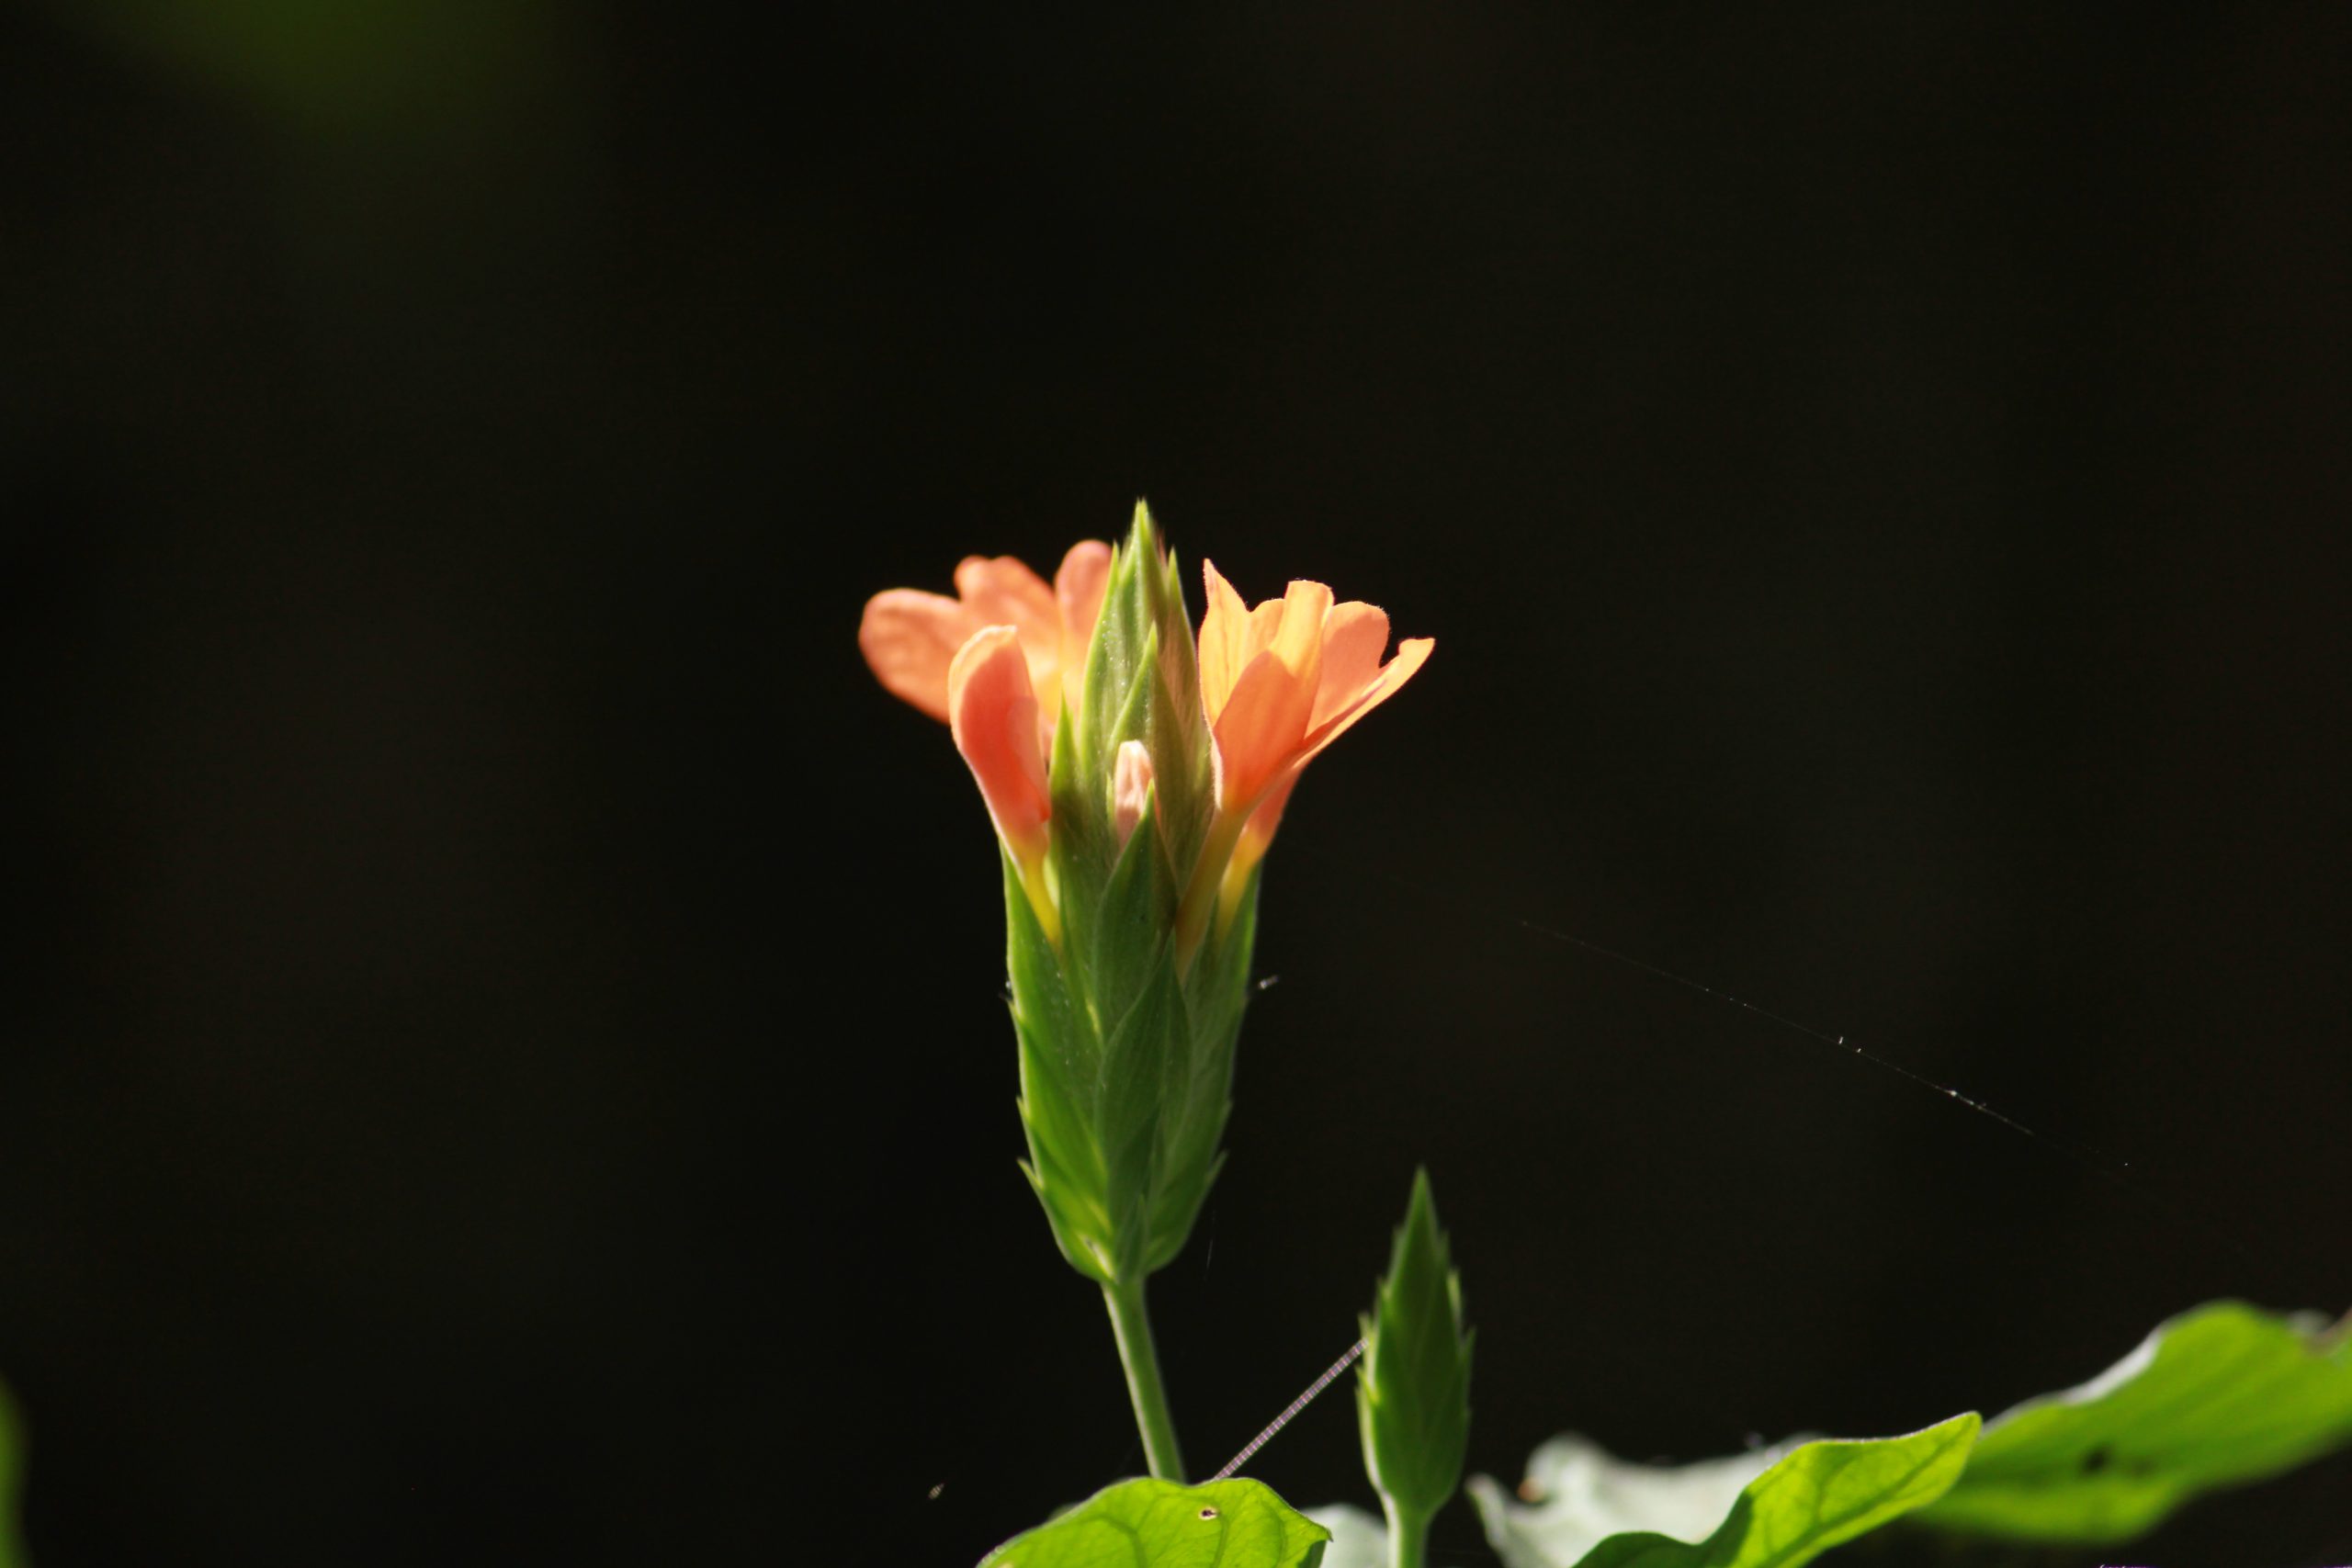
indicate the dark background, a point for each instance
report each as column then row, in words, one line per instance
column 505, row 1060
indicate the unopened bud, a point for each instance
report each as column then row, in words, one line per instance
column 1130, row 788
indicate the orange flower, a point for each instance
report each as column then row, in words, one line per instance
column 910, row 638
column 981, row 661
column 1281, row 682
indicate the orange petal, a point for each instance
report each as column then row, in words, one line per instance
column 1412, row 654
column 909, row 640
column 1259, row 831
column 1224, row 640
column 993, row 713
column 1001, row 591
column 1298, row 638
column 1354, row 637
column 1078, row 589
column 1264, row 625
column 1265, row 722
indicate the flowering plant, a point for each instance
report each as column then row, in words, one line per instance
column 1136, row 772
column 1133, row 805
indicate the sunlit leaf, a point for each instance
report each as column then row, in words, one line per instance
column 2219, row 1396
column 1775, row 1509
column 1158, row 1524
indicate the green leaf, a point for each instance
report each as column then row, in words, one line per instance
column 2219, row 1396
column 1158, row 1524
column 1774, row 1509
column 1413, row 1386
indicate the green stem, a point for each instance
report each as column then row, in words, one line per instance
column 1409, row 1536
column 1132, row 1326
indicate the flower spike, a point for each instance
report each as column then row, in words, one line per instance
column 1134, row 772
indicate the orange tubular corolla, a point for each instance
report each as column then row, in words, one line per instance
column 996, row 662
column 1279, row 683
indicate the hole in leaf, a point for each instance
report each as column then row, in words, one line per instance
column 1208, row 1513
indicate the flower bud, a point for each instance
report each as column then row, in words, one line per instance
column 1413, row 1384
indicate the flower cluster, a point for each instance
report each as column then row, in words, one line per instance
column 1005, row 662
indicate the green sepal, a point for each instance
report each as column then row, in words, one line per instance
column 1413, row 1386
column 1219, row 985
column 1046, row 1005
column 1129, row 934
column 1182, row 756
column 1083, row 848
column 1217, row 990
column 1147, row 1048
column 1125, row 1089
column 1061, row 1062
column 2222, row 1395
column 1112, row 656
column 1158, row 1524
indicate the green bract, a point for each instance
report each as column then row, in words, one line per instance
column 1126, row 1056
column 1775, row 1509
column 2219, row 1396
column 1413, row 1386
column 1143, row 682
column 1158, row 1524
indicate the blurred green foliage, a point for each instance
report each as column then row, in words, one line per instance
column 12, row 1459
column 398, row 67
